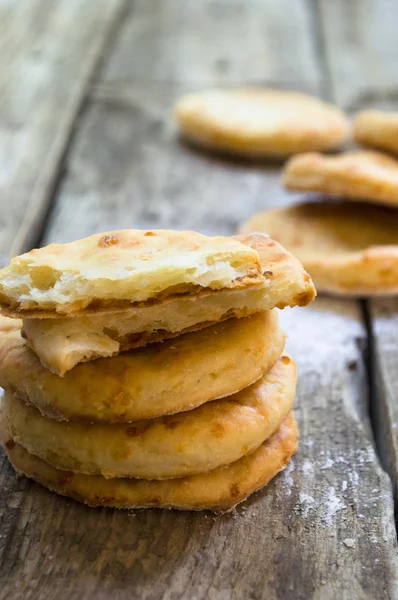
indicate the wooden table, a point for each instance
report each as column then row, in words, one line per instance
column 87, row 144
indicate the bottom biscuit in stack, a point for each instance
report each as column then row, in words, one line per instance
column 209, row 456
column 219, row 490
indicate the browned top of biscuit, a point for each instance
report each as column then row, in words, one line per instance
column 122, row 267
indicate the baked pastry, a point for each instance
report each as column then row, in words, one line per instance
column 218, row 490
column 377, row 129
column 349, row 250
column 361, row 175
column 118, row 269
column 149, row 382
column 257, row 122
column 61, row 343
column 205, row 438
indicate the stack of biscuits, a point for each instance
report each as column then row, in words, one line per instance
column 147, row 368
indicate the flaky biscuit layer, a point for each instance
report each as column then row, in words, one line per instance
column 61, row 343
column 120, row 268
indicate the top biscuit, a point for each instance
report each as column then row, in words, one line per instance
column 360, row 175
column 377, row 129
column 260, row 122
column 61, row 343
column 120, row 268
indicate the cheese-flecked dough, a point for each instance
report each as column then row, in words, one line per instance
column 258, row 122
column 159, row 379
column 218, row 490
column 377, row 129
column 361, row 175
column 349, row 249
column 119, row 268
column 64, row 342
column 205, row 438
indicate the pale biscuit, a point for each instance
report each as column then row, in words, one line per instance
column 219, row 490
column 149, row 382
column 120, row 268
column 348, row 249
column 260, row 122
column 64, row 342
column 361, row 175
column 377, row 129
column 205, row 438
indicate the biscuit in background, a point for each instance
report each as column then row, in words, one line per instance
column 149, row 382
column 349, row 249
column 360, row 175
column 260, row 123
column 377, row 129
column 218, row 490
column 205, row 438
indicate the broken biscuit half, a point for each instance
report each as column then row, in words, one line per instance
column 247, row 273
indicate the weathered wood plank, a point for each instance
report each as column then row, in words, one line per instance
column 213, row 42
column 134, row 99
column 317, row 532
column 359, row 41
column 48, row 52
column 363, row 55
column 384, row 331
column 128, row 168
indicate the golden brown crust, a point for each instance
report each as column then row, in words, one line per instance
column 183, row 373
column 134, row 268
column 348, row 249
column 286, row 283
column 218, row 490
column 61, row 344
column 64, row 342
column 377, row 129
column 260, row 122
column 360, row 175
column 205, row 438
column 270, row 254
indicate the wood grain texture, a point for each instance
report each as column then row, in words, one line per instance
column 358, row 40
column 48, row 53
column 324, row 529
column 128, row 168
column 214, row 42
column 384, row 331
column 368, row 78
column 127, row 165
